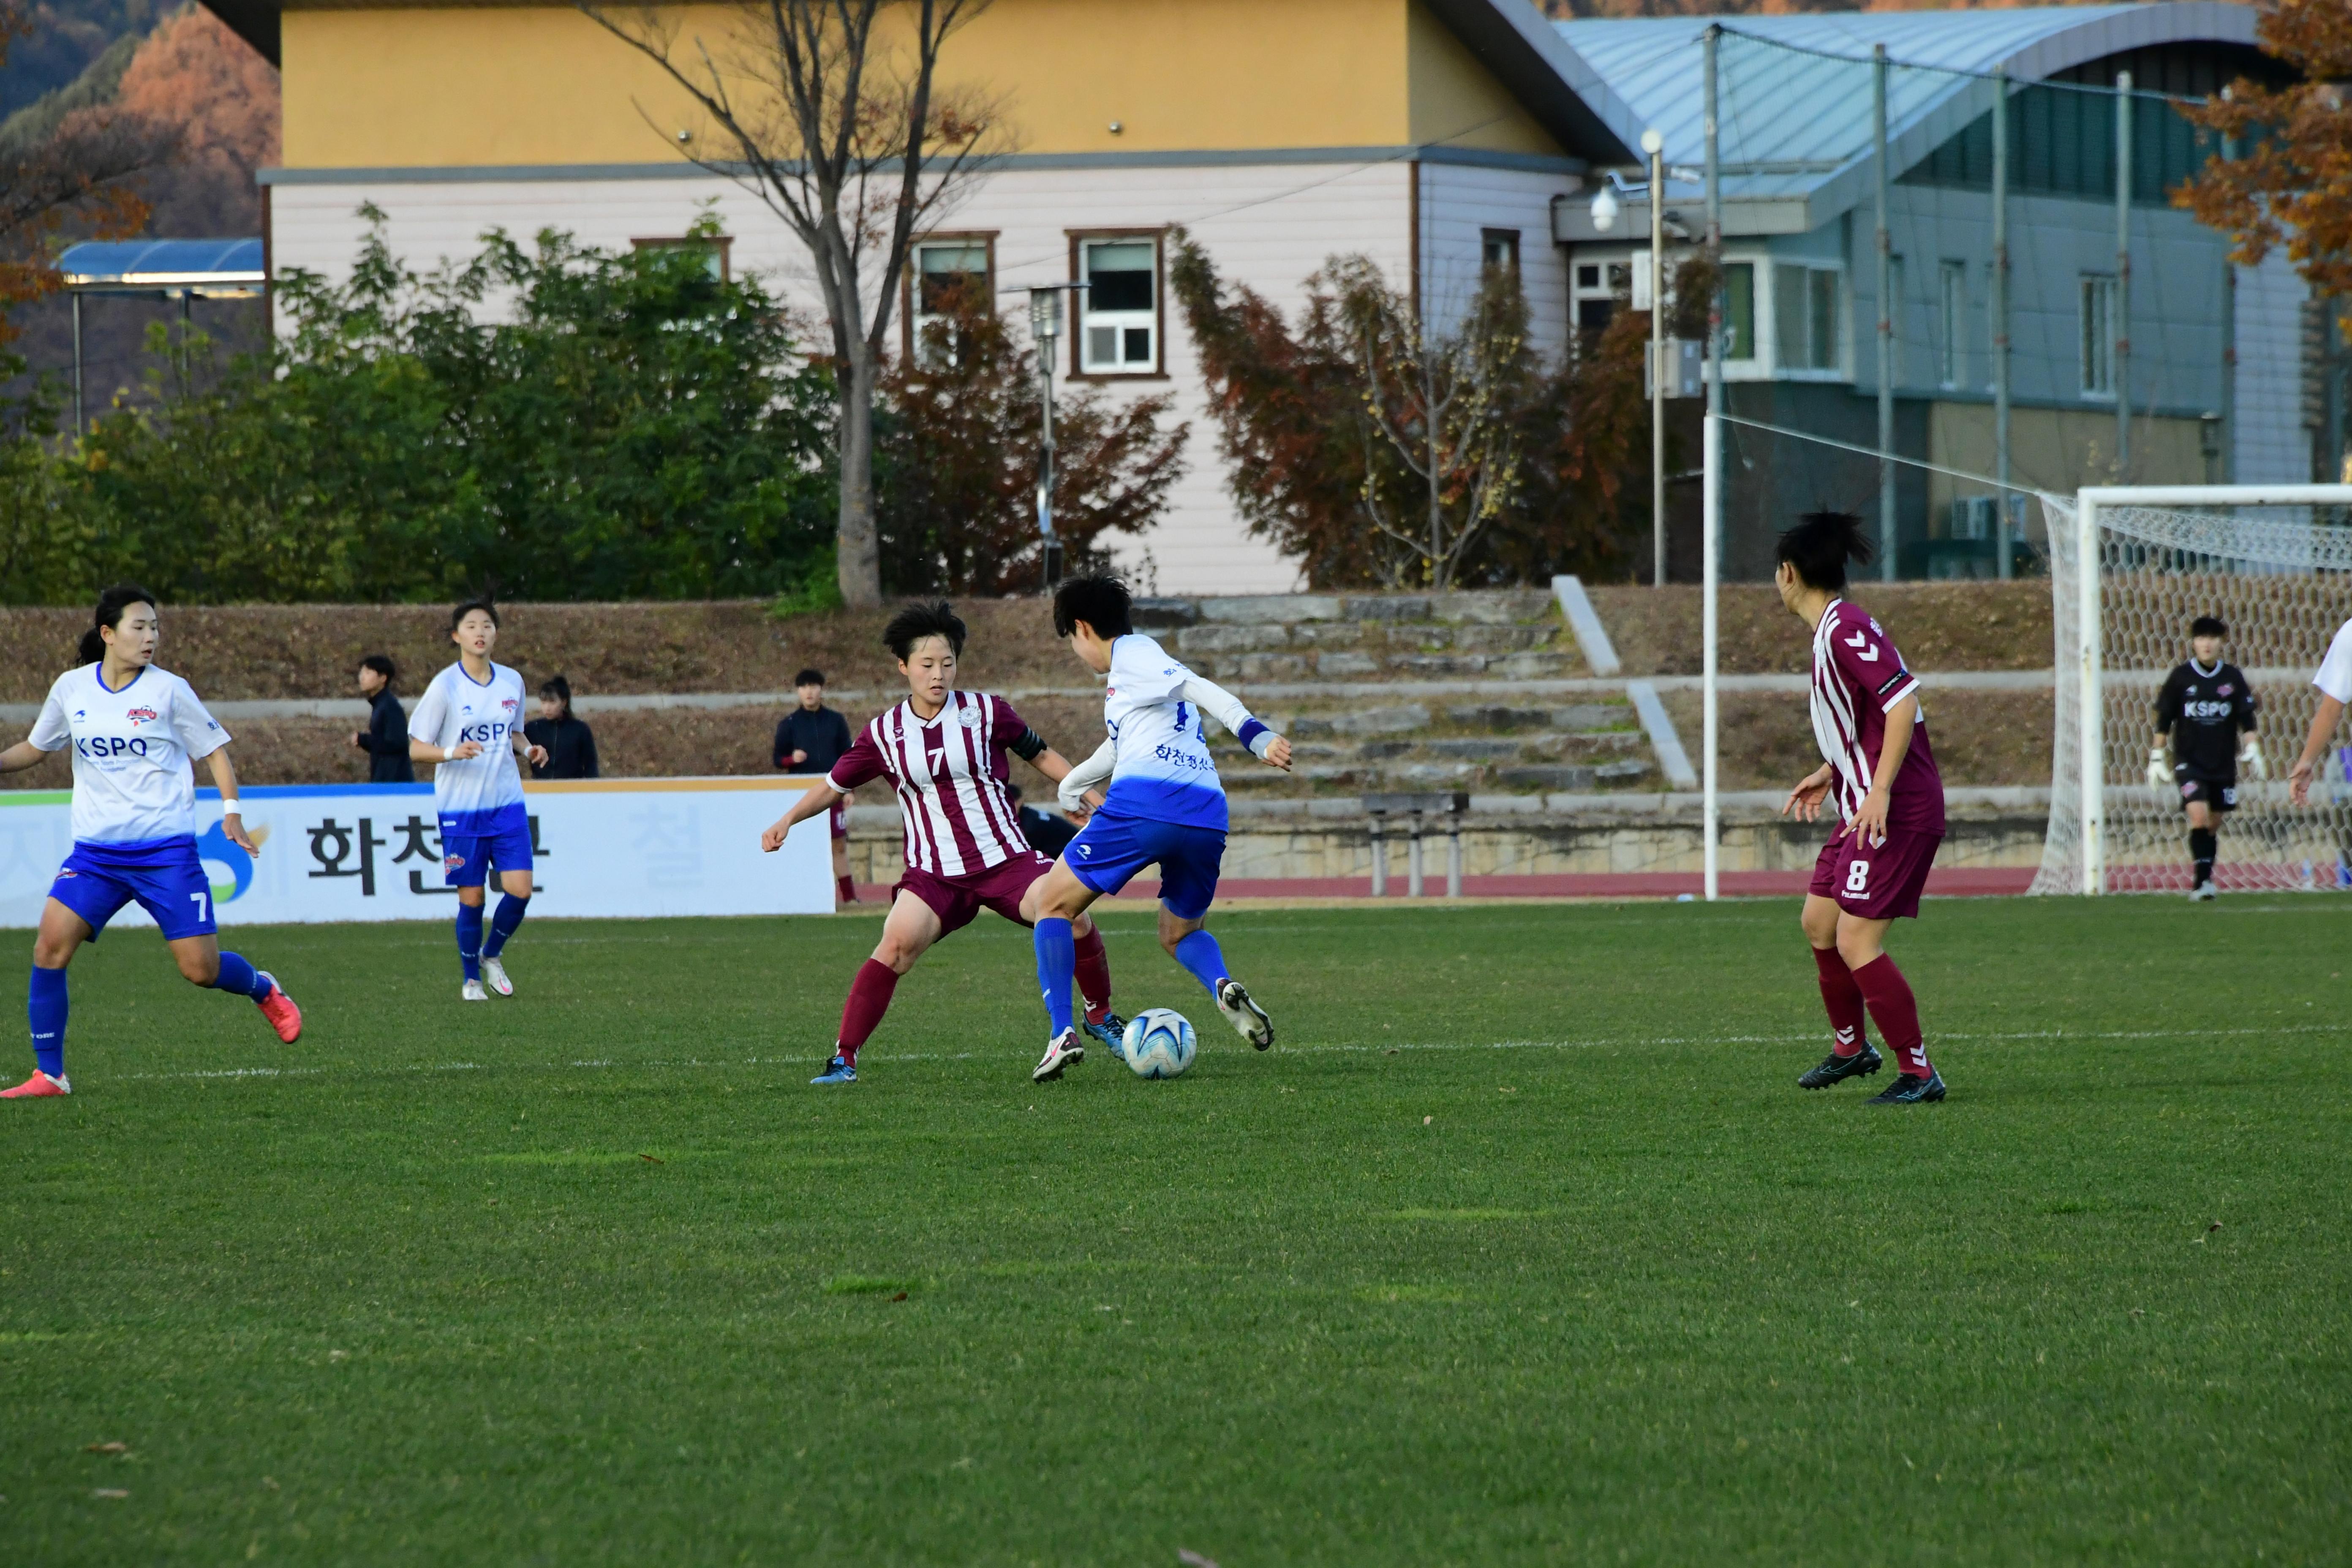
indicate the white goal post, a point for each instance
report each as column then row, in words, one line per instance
column 2130, row 566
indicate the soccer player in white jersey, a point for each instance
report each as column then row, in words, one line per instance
column 1165, row 803
column 136, row 732
column 468, row 724
column 2334, row 683
column 943, row 751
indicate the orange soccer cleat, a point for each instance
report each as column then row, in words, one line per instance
column 279, row 1009
column 40, row 1086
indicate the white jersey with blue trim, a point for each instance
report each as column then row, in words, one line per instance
column 134, row 782
column 1162, row 770
column 456, row 708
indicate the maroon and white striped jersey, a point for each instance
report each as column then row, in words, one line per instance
column 950, row 775
column 1857, row 677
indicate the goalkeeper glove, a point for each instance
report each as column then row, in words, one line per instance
column 2159, row 773
column 2256, row 764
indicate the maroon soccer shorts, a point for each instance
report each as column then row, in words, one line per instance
column 957, row 900
column 838, row 818
column 1876, row 882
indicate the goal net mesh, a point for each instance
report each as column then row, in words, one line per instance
column 2281, row 576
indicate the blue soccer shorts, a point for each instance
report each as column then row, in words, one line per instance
column 472, row 842
column 165, row 877
column 1110, row 850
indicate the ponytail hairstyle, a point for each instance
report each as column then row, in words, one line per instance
column 1820, row 546
column 555, row 686
column 110, row 606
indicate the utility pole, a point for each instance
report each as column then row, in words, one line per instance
column 2004, row 554
column 1654, row 145
column 1886, row 529
column 2122, row 274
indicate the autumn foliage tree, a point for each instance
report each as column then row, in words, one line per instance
column 1383, row 453
column 956, row 458
column 75, row 166
column 2290, row 182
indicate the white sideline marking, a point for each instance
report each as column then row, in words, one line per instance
column 1592, row 636
column 801, row 1059
column 1672, row 759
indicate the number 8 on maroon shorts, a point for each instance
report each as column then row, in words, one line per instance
column 1876, row 882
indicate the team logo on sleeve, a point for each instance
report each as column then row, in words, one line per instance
column 1894, row 680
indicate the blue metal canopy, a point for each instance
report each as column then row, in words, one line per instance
column 208, row 269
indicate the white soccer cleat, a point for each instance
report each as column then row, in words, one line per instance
column 2202, row 893
column 1249, row 1019
column 1060, row 1052
column 493, row 976
column 472, row 992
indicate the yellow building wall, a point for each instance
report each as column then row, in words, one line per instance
column 474, row 85
column 1455, row 102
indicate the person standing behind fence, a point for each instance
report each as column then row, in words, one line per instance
column 571, row 745
column 386, row 740
column 810, row 740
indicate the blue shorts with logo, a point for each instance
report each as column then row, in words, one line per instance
column 1110, row 849
column 162, row 874
column 474, row 841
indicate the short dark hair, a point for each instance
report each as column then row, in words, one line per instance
column 457, row 615
column 555, row 686
column 810, row 677
column 2208, row 626
column 1820, row 546
column 382, row 664
column 1097, row 598
column 916, row 622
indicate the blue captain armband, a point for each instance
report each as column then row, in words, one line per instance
column 1251, row 731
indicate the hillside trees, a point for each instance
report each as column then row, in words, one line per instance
column 1385, row 454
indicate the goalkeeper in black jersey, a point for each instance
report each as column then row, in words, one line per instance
column 2203, row 708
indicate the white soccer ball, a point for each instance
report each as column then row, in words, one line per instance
column 1158, row 1043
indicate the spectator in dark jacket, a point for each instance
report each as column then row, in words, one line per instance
column 571, row 745
column 1048, row 832
column 810, row 740
column 386, row 740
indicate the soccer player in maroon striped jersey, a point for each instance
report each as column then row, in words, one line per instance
column 943, row 751
column 1867, row 720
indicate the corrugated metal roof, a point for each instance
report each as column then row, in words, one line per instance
column 1795, row 90
column 162, row 263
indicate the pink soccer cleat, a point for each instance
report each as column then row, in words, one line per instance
column 279, row 1009
column 40, row 1086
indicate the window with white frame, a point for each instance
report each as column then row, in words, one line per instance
column 1805, row 317
column 1498, row 249
column 943, row 272
column 2098, row 354
column 1951, row 321
column 1119, row 311
column 1739, row 310
column 715, row 249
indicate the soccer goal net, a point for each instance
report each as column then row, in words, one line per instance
column 2130, row 568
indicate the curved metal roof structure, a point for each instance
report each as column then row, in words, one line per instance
column 1795, row 90
column 228, row 267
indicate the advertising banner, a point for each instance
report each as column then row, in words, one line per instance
column 615, row 847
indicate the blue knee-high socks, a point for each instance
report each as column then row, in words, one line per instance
column 469, row 939
column 503, row 920
column 1058, row 967
column 238, row 977
column 1200, row 953
column 44, row 1009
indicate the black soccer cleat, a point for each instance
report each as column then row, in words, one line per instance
column 1909, row 1089
column 1837, row 1070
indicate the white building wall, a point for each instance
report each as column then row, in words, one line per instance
column 2271, row 445
column 1457, row 204
column 1267, row 224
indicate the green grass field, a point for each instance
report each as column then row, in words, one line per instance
column 1522, row 1247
